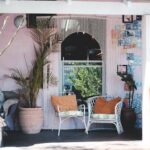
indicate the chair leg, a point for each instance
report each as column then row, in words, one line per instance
column 1, row 136
column 84, row 123
column 87, row 127
column 59, row 126
column 119, row 127
column 53, row 122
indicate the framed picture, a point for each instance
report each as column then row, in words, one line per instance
column 138, row 17
column 127, row 18
column 121, row 69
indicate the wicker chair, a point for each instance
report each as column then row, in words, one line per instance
column 104, row 118
column 66, row 108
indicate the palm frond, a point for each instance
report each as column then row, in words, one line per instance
column 31, row 83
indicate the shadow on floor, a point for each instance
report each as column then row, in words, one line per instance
column 19, row 139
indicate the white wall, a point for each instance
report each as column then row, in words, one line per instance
column 146, row 80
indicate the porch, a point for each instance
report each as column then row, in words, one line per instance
column 80, row 139
column 73, row 139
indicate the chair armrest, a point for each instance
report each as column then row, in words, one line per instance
column 90, row 105
column 118, row 108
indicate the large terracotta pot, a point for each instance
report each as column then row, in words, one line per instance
column 128, row 119
column 31, row 120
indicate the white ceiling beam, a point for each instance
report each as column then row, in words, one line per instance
column 76, row 7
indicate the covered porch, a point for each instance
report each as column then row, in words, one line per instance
column 114, row 53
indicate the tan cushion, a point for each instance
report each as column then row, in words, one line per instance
column 109, row 106
column 66, row 103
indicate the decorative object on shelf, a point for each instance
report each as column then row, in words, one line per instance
column 127, row 18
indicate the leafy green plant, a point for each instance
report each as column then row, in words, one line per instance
column 31, row 83
column 87, row 80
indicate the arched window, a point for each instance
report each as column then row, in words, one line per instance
column 80, row 46
column 82, row 65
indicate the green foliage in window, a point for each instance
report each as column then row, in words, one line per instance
column 88, row 80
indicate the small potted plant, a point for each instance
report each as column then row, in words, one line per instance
column 128, row 114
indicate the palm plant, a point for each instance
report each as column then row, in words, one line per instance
column 31, row 83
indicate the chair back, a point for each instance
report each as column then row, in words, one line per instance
column 65, row 103
column 118, row 108
column 92, row 100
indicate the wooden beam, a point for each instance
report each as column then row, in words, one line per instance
column 75, row 7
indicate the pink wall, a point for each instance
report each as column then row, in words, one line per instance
column 117, row 55
column 113, row 57
column 23, row 46
column 14, row 56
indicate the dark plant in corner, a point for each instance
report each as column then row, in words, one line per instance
column 128, row 79
column 128, row 117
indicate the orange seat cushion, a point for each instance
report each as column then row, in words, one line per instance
column 66, row 103
column 107, row 107
column 100, row 102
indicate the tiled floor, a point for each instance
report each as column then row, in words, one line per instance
column 18, row 139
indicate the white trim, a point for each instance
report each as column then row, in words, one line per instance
column 76, row 7
column 146, row 80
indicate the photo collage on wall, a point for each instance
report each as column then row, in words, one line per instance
column 128, row 35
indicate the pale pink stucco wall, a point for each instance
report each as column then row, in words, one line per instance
column 117, row 55
column 21, row 47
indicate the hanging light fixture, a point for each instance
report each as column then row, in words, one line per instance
column 20, row 21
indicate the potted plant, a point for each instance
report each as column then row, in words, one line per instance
column 128, row 114
column 30, row 115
